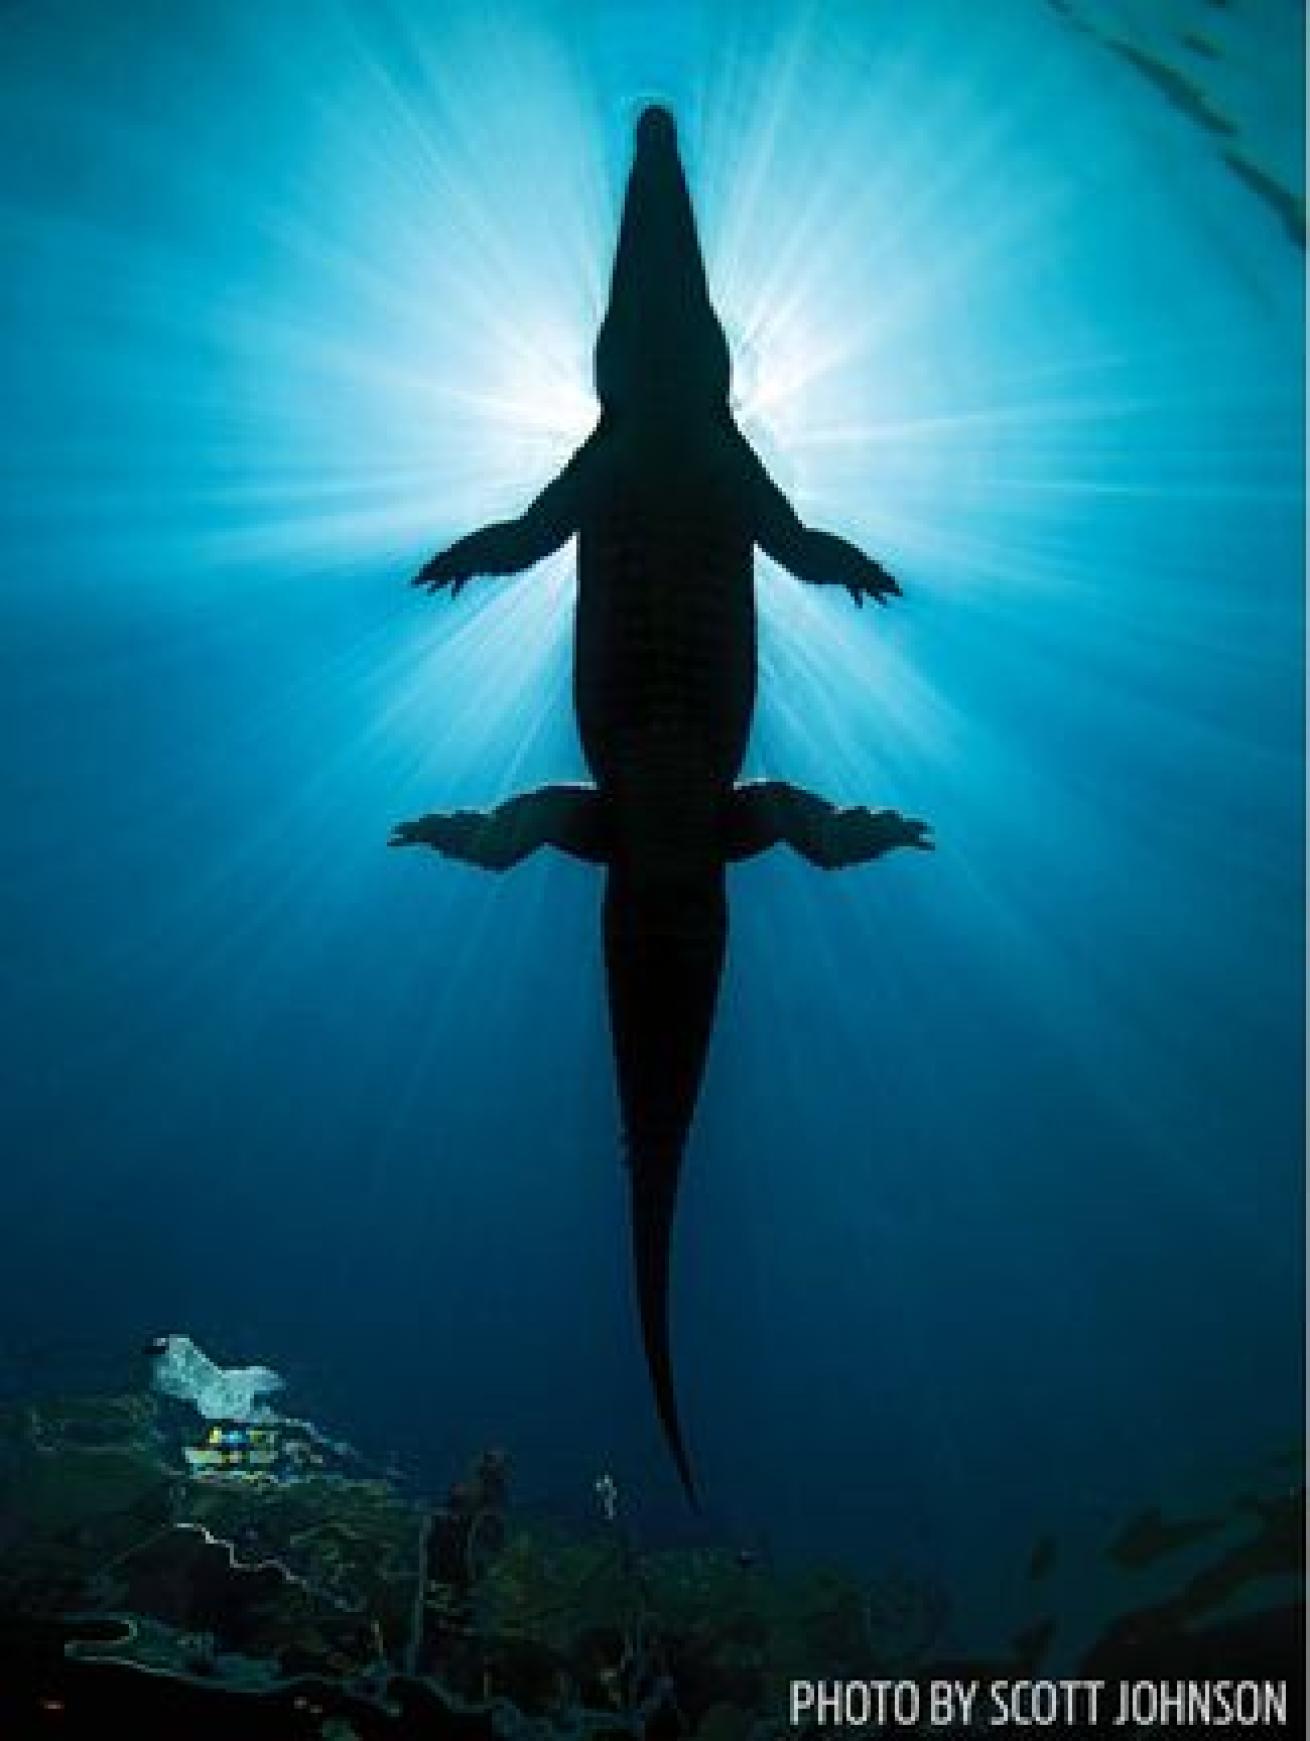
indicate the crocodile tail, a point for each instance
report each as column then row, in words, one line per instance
column 664, row 949
column 653, row 1203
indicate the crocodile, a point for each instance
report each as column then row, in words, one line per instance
column 668, row 501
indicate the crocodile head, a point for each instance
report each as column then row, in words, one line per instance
column 660, row 351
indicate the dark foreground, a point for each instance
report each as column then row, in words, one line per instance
column 287, row 1599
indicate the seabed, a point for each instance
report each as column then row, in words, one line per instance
column 139, row 1597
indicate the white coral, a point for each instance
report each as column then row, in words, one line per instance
column 220, row 1394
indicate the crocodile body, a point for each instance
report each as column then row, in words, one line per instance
column 665, row 686
column 668, row 503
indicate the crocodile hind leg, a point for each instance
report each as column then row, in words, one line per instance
column 770, row 813
column 570, row 818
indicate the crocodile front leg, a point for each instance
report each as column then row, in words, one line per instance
column 771, row 813
column 570, row 818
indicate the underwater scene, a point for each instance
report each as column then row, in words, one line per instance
column 572, row 1167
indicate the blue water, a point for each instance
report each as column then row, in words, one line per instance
column 992, row 1219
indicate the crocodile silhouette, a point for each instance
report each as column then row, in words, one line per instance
column 667, row 500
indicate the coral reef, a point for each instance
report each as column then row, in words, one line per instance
column 330, row 1604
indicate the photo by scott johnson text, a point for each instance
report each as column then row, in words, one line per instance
column 1039, row 1704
